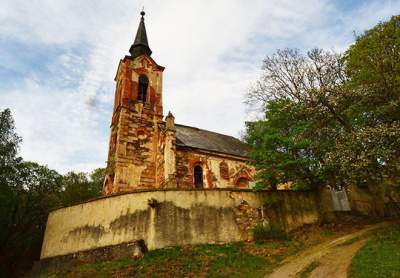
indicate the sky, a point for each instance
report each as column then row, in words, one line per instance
column 58, row 61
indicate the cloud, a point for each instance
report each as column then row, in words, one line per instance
column 57, row 129
column 59, row 58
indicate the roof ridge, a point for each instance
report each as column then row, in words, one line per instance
column 193, row 127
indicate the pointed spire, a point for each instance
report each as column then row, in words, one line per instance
column 140, row 45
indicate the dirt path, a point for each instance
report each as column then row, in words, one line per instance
column 336, row 263
column 331, row 259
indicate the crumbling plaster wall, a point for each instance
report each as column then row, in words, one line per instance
column 171, row 217
column 210, row 162
column 135, row 159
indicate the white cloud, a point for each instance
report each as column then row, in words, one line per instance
column 212, row 51
column 58, row 129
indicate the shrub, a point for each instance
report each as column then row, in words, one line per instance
column 263, row 232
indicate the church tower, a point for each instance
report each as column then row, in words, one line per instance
column 138, row 132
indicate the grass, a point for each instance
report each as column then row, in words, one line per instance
column 231, row 260
column 308, row 269
column 255, row 259
column 380, row 256
column 262, row 233
column 328, row 233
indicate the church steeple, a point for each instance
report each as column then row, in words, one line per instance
column 140, row 45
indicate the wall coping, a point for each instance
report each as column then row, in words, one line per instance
column 141, row 190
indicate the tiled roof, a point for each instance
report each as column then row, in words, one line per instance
column 187, row 136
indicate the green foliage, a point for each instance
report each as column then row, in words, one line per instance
column 9, row 144
column 330, row 118
column 32, row 194
column 97, row 178
column 78, row 187
column 281, row 150
column 263, row 232
column 370, row 154
column 380, row 257
column 373, row 63
column 28, row 192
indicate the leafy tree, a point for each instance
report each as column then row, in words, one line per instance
column 35, row 194
column 370, row 155
column 349, row 104
column 97, row 178
column 9, row 144
column 304, row 114
column 28, row 192
column 78, row 187
column 281, row 152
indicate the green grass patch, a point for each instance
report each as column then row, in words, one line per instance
column 380, row 256
column 304, row 273
column 261, row 232
column 328, row 233
column 229, row 260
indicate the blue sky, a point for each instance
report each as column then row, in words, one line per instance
column 58, row 60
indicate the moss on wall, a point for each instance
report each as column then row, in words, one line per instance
column 173, row 217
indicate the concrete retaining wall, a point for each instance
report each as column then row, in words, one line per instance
column 173, row 217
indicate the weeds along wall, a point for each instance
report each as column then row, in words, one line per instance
column 174, row 217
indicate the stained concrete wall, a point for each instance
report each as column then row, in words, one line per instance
column 172, row 217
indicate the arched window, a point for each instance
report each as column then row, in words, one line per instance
column 142, row 88
column 198, row 176
column 242, row 183
column 224, row 170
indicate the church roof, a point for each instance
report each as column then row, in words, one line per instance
column 187, row 136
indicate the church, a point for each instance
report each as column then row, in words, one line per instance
column 148, row 151
column 166, row 184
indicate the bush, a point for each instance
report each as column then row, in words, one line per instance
column 263, row 232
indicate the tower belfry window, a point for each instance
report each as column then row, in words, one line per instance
column 142, row 88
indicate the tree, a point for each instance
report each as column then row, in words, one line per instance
column 28, row 192
column 314, row 80
column 79, row 187
column 37, row 191
column 9, row 145
column 373, row 67
column 281, row 151
column 350, row 102
column 304, row 113
column 97, row 177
